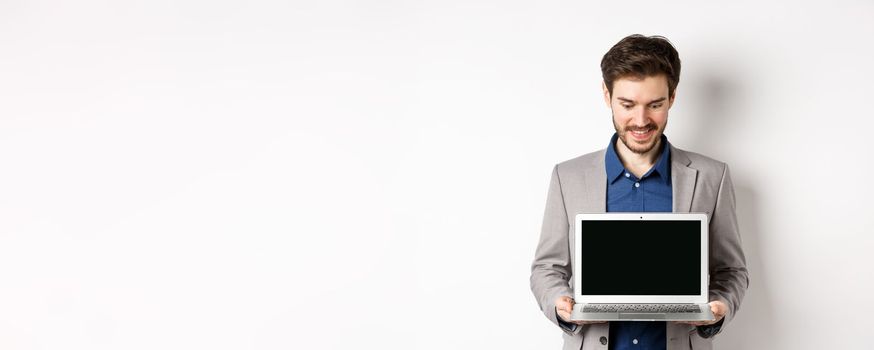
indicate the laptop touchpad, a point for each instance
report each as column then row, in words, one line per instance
column 627, row 316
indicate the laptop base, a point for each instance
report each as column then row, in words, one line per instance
column 704, row 315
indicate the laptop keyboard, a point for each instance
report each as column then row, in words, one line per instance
column 642, row 308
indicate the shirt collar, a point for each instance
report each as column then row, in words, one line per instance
column 615, row 169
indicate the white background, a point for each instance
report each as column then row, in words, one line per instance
column 334, row 175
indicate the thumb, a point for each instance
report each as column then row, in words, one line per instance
column 566, row 303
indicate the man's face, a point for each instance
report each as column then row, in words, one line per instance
column 640, row 110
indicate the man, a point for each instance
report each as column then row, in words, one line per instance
column 639, row 171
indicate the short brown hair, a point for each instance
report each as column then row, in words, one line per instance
column 637, row 56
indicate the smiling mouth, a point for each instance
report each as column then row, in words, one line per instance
column 642, row 134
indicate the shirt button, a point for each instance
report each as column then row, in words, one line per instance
column 634, row 341
column 627, row 175
column 603, row 340
column 637, row 184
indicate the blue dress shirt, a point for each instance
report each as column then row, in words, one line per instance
column 649, row 193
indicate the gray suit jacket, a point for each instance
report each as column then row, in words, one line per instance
column 700, row 184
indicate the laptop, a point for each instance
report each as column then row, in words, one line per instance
column 641, row 267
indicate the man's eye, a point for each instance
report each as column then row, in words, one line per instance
column 627, row 106
column 656, row 106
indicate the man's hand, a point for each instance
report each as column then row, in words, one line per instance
column 718, row 308
column 564, row 305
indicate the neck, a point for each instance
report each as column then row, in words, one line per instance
column 637, row 163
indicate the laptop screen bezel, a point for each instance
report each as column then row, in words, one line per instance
column 701, row 298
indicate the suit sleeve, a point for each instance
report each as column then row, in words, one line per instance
column 551, row 269
column 729, row 278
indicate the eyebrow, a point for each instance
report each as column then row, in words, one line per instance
column 623, row 99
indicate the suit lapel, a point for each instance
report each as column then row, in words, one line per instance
column 596, row 185
column 683, row 180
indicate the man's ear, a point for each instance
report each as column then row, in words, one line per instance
column 671, row 99
column 606, row 93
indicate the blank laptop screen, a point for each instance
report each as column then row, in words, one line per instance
column 640, row 257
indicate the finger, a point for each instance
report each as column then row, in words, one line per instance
column 581, row 323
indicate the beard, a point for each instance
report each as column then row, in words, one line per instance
column 634, row 146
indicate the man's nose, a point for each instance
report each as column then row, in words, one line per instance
column 640, row 116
